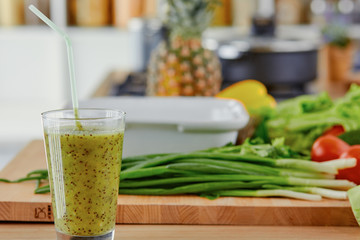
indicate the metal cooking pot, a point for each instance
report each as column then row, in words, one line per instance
column 278, row 63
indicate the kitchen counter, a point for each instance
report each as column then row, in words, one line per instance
column 40, row 231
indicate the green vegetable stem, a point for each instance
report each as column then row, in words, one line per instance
column 254, row 169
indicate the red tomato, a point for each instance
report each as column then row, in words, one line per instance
column 351, row 174
column 335, row 130
column 327, row 148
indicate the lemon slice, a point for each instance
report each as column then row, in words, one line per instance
column 354, row 198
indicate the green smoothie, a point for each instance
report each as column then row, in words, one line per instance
column 84, row 170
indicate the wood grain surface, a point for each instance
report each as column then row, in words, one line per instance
column 41, row 231
column 19, row 203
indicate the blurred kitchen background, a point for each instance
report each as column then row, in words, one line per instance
column 281, row 43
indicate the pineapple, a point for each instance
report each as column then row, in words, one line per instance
column 180, row 66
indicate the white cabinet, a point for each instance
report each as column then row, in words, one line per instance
column 34, row 69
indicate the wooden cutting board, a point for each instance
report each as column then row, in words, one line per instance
column 19, row 203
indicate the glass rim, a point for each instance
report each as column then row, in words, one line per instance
column 45, row 114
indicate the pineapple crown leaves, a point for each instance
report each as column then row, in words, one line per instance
column 189, row 18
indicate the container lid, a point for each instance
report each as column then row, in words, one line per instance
column 195, row 114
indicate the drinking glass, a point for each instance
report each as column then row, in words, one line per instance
column 83, row 155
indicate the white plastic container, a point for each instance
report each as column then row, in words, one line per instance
column 175, row 124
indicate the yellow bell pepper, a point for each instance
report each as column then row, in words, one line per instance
column 253, row 94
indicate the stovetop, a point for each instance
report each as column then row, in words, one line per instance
column 135, row 85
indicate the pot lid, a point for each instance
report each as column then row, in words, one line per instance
column 232, row 49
